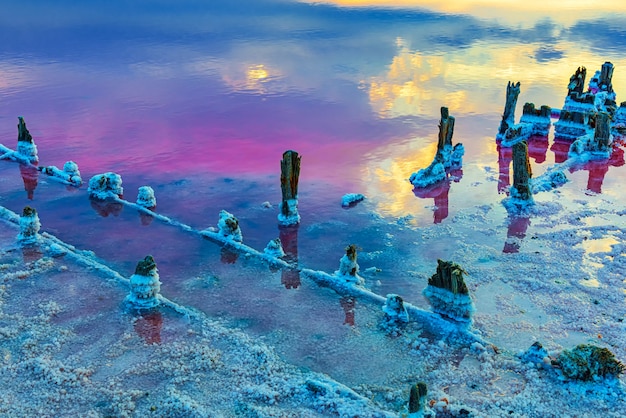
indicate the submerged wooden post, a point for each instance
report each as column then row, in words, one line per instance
column 508, row 117
column 289, row 174
column 522, row 171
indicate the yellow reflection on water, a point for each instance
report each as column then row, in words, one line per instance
column 601, row 245
column 257, row 72
column 593, row 283
column 389, row 177
column 566, row 11
column 250, row 77
column 473, row 80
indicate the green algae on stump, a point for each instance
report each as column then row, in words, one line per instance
column 589, row 362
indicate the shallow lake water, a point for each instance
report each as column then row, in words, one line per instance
column 199, row 100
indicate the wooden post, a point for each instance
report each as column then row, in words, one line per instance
column 446, row 129
column 449, row 276
column 606, row 75
column 22, row 133
column 289, row 174
column 577, row 81
column 522, row 171
column 603, row 131
column 508, row 117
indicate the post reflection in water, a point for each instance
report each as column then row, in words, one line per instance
column 518, row 225
column 30, row 176
column 105, row 208
column 598, row 168
column 148, row 327
column 560, row 148
column 505, row 156
column 228, row 256
column 538, row 148
column 288, row 235
column 30, row 254
column 439, row 193
column 347, row 304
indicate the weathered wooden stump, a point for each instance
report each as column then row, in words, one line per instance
column 289, row 175
column 508, row 117
column 522, row 171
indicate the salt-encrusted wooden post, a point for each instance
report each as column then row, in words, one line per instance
column 522, row 172
column 448, row 294
column 25, row 144
column 144, row 285
column 348, row 266
column 29, row 227
column 289, row 174
column 508, row 117
column 446, row 130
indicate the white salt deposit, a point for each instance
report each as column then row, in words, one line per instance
column 429, row 175
column 394, row 308
column 228, row 226
column 274, row 248
column 144, row 290
column 349, row 269
column 350, row 199
column 69, row 175
column 27, row 151
column 456, row 306
column 29, row 228
column 145, row 197
column 291, row 217
column 105, row 186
